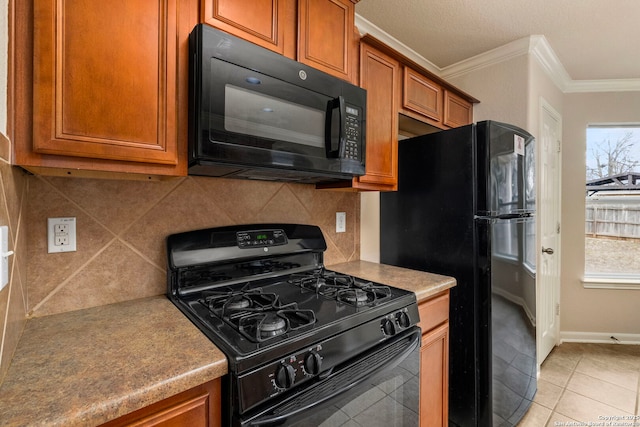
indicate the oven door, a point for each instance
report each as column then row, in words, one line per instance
column 380, row 387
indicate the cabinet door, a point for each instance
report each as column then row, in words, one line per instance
column 434, row 377
column 325, row 35
column 106, row 79
column 379, row 75
column 457, row 111
column 421, row 95
column 197, row 407
column 267, row 23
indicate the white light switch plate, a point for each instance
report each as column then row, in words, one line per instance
column 4, row 256
column 61, row 234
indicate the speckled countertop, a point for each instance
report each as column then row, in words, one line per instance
column 422, row 284
column 86, row 367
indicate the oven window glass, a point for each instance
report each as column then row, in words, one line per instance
column 252, row 113
column 391, row 399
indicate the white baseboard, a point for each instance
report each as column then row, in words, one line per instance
column 599, row 337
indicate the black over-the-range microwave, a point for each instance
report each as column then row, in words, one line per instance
column 258, row 115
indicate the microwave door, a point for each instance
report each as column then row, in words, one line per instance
column 255, row 110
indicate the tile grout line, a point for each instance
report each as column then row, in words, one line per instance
column 71, row 276
column 151, row 207
column 564, row 389
column 604, row 381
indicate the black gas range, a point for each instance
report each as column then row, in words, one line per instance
column 297, row 336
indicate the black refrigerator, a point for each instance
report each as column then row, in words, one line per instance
column 465, row 208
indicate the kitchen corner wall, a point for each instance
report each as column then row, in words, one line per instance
column 13, row 297
column 122, row 226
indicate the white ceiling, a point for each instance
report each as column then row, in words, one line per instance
column 592, row 39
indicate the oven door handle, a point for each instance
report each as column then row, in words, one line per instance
column 393, row 354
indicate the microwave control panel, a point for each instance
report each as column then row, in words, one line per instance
column 353, row 146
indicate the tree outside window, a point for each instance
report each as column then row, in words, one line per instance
column 612, row 227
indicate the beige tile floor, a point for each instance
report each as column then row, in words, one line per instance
column 587, row 385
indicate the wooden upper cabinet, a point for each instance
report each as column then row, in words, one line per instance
column 105, row 79
column 432, row 102
column 267, row 23
column 421, row 95
column 110, row 85
column 325, row 35
column 318, row 33
column 380, row 76
column 457, row 111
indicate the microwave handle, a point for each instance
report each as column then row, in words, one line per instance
column 335, row 147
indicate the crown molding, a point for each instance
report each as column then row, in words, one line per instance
column 540, row 49
column 366, row 27
column 612, row 85
column 536, row 46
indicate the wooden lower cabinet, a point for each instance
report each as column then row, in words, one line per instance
column 197, row 407
column 434, row 361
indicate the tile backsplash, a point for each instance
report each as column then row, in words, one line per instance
column 13, row 297
column 122, row 226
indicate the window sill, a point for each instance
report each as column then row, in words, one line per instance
column 611, row 282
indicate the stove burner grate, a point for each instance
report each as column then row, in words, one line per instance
column 363, row 294
column 341, row 287
column 263, row 326
column 257, row 315
column 322, row 282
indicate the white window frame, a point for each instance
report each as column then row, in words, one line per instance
column 608, row 280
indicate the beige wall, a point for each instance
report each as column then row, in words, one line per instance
column 541, row 87
column 590, row 311
column 502, row 90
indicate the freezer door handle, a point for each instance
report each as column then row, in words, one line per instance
column 548, row 251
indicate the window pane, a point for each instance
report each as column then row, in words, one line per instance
column 612, row 217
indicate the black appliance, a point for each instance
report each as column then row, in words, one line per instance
column 305, row 345
column 259, row 115
column 465, row 208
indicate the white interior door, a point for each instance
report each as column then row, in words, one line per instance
column 548, row 260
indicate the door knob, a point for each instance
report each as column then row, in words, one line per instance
column 547, row 250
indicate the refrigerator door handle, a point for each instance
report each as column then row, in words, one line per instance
column 515, row 215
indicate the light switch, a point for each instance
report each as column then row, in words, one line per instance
column 5, row 253
column 341, row 222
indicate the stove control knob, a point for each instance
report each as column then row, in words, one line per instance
column 312, row 362
column 403, row 319
column 285, row 375
column 388, row 327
